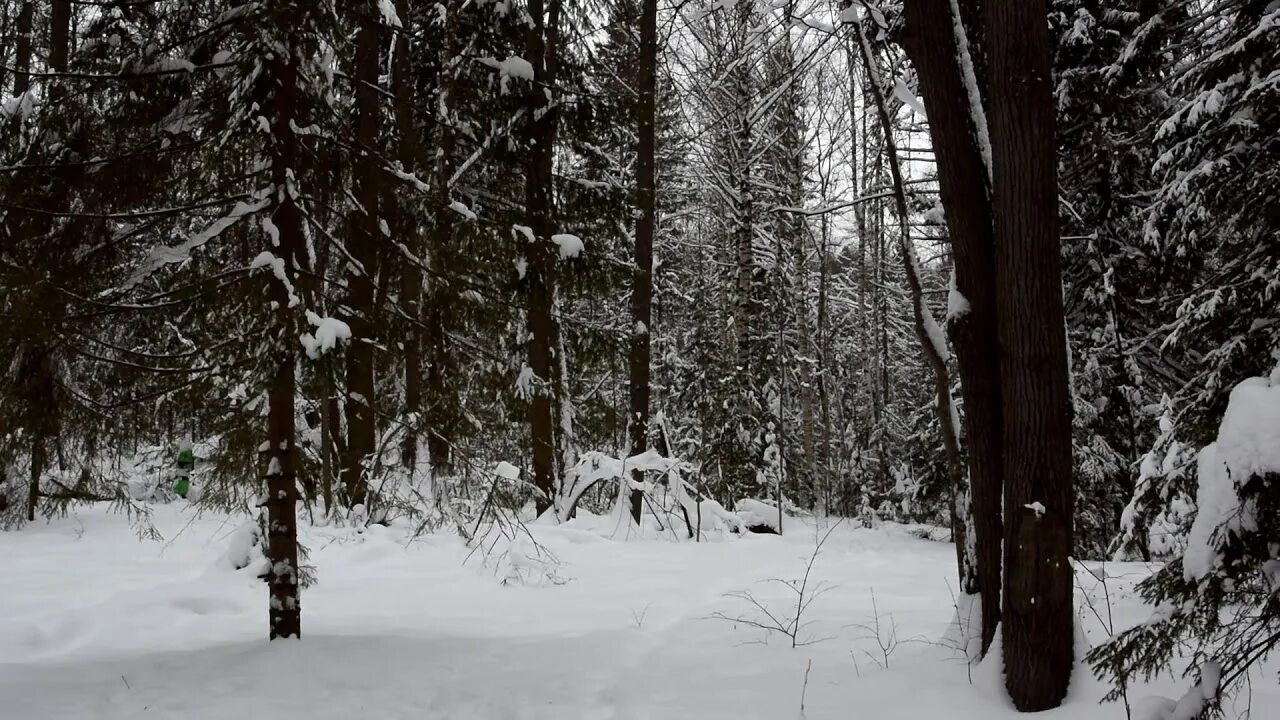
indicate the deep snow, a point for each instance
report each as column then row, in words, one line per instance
column 97, row 624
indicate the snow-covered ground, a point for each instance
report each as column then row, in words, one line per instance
column 97, row 624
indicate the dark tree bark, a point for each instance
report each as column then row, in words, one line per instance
column 45, row 425
column 1037, row 624
column 362, row 244
column 37, row 469
column 742, row 465
column 964, row 182
column 281, row 527
column 541, row 40
column 933, row 354
column 642, row 278
column 329, row 418
column 443, row 412
column 59, row 35
column 22, row 48
column 403, row 92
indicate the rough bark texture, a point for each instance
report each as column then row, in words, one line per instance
column 443, row 413
column 933, row 354
column 642, row 277
column 964, row 183
column 362, row 244
column 281, row 527
column 540, row 252
column 22, row 47
column 402, row 89
column 1037, row 624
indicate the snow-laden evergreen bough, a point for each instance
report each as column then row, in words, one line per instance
column 1222, row 597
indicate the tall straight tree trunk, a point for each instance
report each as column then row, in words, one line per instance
column 824, row 368
column 646, row 222
column 59, row 35
column 328, row 430
column 22, row 48
column 280, row 530
column 37, row 469
column 928, row 334
column 1037, row 625
column 362, row 245
column 443, row 413
column 59, row 41
column 541, row 39
column 931, row 39
column 742, row 471
column 403, row 94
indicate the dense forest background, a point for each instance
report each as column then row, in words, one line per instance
column 371, row 251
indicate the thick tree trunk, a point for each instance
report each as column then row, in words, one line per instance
column 59, row 35
column 1037, row 625
column 22, row 48
column 646, row 222
column 540, row 252
column 403, row 93
column 281, row 527
column 362, row 245
column 443, row 412
column 928, row 334
column 931, row 40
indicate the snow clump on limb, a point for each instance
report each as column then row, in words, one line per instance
column 1248, row 446
column 571, row 246
column 328, row 331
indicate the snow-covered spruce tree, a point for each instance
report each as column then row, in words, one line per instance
column 1222, row 597
column 254, row 119
column 74, row 179
column 1111, row 68
column 1213, row 228
column 783, row 256
column 727, row 161
column 278, row 94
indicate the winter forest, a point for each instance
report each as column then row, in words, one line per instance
column 639, row 359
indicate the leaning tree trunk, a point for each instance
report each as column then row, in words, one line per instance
column 1037, row 624
column 362, row 245
column 646, row 221
column 281, row 527
column 928, row 334
column 934, row 43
